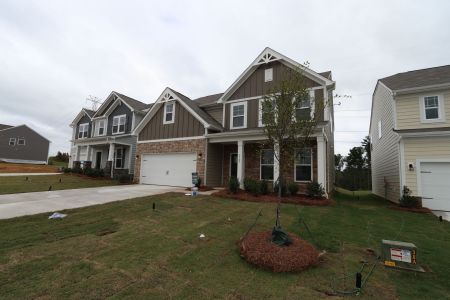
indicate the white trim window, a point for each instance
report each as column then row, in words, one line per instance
column 119, row 124
column 380, row 132
column 303, row 168
column 260, row 110
column 238, row 115
column 268, row 74
column 169, row 112
column 432, row 109
column 101, row 127
column 12, row 141
column 266, row 165
column 83, row 130
column 21, row 141
column 119, row 158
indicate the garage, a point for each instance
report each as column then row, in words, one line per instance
column 435, row 185
column 173, row 169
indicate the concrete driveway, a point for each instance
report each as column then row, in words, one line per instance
column 15, row 205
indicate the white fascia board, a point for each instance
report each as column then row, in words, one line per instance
column 79, row 116
column 105, row 103
column 115, row 104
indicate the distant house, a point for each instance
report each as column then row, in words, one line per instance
column 21, row 144
column 410, row 130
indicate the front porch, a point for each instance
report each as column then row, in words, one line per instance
column 249, row 159
column 113, row 158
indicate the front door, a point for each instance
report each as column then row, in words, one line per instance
column 233, row 164
column 98, row 160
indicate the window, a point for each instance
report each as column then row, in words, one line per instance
column 12, row 141
column 238, row 115
column 268, row 75
column 260, row 111
column 119, row 124
column 432, row 109
column 101, row 127
column 304, row 108
column 119, row 158
column 303, row 164
column 21, row 141
column 266, row 166
column 169, row 113
column 83, row 130
column 379, row 130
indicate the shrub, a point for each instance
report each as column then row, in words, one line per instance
column 125, row 178
column 407, row 200
column 233, row 185
column 254, row 188
column 292, row 188
column 199, row 182
column 315, row 190
column 264, row 187
column 248, row 184
column 77, row 170
column 283, row 188
column 67, row 170
column 89, row 172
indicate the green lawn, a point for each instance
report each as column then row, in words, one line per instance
column 126, row 250
column 38, row 183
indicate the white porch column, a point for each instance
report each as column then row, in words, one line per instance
column 276, row 163
column 241, row 163
column 88, row 153
column 111, row 152
column 321, row 162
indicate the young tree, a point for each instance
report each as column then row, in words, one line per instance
column 287, row 128
column 338, row 162
column 366, row 143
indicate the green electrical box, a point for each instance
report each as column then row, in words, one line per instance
column 400, row 255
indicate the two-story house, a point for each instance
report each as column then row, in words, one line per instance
column 410, row 131
column 21, row 144
column 216, row 135
column 103, row 139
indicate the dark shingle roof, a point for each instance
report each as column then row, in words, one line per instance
column 206, row 100
column 418, row 78
column 208, row 119
column 135, row 104
column 326, row 74
column 4, row 126
column 90, row 112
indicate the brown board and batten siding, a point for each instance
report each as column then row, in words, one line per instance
column 255, row 85
column 215, row 111
column 185, row 125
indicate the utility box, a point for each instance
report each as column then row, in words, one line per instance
column 400, row 255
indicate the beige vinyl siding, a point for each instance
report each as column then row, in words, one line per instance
column 385, row 151
column 408, row 110
column 215, row 111
column 423, row 148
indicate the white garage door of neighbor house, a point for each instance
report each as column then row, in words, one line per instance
column 435, row 185
column 173, row 169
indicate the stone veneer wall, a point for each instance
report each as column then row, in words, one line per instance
column 196, row 146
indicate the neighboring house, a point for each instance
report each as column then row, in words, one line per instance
column 410, row 133
column 103, row 139
column 21, row 144
column 217, row 135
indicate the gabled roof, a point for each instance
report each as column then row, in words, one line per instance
column 269, row 55
column 83, row 112
column 89, row 112
column 4, row 126
column 418, row 78
column 23, row 125
column 113, row 96
column 171, row 95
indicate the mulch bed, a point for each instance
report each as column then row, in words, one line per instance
column 258, row 249
column 411, row 209
column 297, row 199
column 203, row 188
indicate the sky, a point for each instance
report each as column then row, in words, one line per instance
column 54, row 54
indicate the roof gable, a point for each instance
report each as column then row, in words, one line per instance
column 418, row 78
column 4, row 126
column 269, row 55
column 84, row 112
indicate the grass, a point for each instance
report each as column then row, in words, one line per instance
column 27, row 168
column 127, row 250
column 38, row 183
column 52, row 160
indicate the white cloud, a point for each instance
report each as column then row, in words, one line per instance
column 53, row 54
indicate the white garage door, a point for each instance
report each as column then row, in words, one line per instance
column 435, row 185
column 173, row 169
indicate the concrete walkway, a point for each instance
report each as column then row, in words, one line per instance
column 15, row 205
column 28, row 174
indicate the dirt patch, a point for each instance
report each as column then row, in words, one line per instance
column 26, row 168
column 412, row 209
column 258, row 249
column 297, row 199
